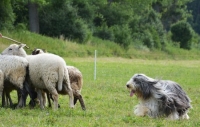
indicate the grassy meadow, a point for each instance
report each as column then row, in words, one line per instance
column 107, row 100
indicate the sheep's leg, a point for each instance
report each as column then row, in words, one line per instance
column 32, row 93
column 51, row 98
column 55, row 98
column 71, row 96
column 3, row 99
column 40, row 97
column 8, row 98
column 48, row 98
column 52, row 90
column 21, row 95
column 44, row 98
column 20, row 103
column 75, row 100
column 21, row 91
column 7, row 101
column 1, row 82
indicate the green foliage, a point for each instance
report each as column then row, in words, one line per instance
column 104, row 33
column 171, row 11
column 148, row 29
column 129, row 23
column 60, row 18
column 7, row 16
column 116, row 14
column 80, row 31
column 112, row 23
column 194, row 21
column 148, row 39
column 21, row 11
column 86, row 10
column 182, row 32
column 122, row 35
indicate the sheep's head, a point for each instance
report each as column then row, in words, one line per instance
column 38, row 51
column 15, row 49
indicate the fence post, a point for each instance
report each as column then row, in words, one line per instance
column 95, row 62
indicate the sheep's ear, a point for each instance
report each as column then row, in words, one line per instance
column 22, row 46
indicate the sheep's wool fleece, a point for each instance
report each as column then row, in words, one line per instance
column 10, row 64
column 44, row 67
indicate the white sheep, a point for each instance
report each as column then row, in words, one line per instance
column 13, row 69
column 76, row 81
column 46, row 71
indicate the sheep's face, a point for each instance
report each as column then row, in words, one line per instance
column 15, row 49
column 37, row 51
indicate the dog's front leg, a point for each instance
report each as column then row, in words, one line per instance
column 173, row 116
column 185, row 116
column 140, row 110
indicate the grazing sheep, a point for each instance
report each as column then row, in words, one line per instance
column 76, row 81
column 13, row 69
column 46, row 71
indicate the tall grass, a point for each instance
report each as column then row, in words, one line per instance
column 107, row 100
column 66, row 48
column 62, row 46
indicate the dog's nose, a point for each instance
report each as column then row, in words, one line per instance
column 127, row 85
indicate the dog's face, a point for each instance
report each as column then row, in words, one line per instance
column 139, row 85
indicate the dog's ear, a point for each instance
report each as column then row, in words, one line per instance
column 144, row 79
column 145, row 86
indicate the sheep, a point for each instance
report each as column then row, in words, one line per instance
column 13, row 69
column 46, row 71
column 76, row 81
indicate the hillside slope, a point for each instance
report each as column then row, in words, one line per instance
column 66, row 48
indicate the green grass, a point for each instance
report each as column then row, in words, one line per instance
column 107, row 100
column 61, row 46
column 66, row 48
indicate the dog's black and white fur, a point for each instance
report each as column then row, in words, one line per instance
column 159, row 98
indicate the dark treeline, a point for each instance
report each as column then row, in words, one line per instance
column 139, row 23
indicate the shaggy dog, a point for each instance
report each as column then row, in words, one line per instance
column 159, row 98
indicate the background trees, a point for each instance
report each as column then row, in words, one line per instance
column 183, row 33
column 7, row 17
column 126, row 22
column 194, row 7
